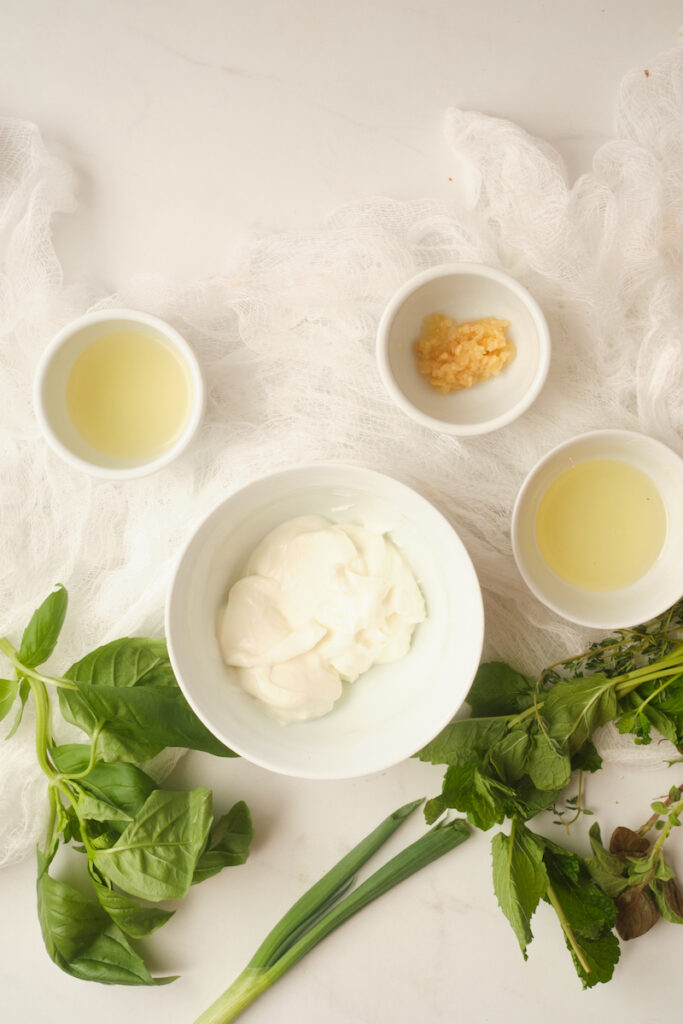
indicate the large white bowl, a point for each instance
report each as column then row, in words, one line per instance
column 654, row 592
column 387, row 714
column 464, row 291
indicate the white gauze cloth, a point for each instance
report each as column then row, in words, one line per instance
column 286, row 340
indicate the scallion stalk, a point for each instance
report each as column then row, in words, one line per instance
column 328, row 904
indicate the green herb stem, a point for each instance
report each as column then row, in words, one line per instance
column 254, row 980
column 566, row 928
column 10, row 652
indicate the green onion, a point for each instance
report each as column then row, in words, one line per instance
column 328, row 904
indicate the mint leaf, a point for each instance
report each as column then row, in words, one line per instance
column 548, row 766
column 459, row 741
column 499, row 690
column 469, row 790
column 520, row 879
column 575, row 708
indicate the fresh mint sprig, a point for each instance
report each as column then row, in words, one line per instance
column 517, row 752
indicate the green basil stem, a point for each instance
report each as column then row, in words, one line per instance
column 11, row 654
column 264, row 970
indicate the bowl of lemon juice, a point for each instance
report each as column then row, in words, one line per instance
column 597, row 529
column 119, row 393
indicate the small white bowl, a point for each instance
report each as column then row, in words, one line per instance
column 52, row 374
column 391, row 711
column 464, row 291
column 654, row 592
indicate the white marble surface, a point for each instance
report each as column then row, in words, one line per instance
column 190, row 125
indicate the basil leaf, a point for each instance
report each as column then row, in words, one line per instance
column 130, row 661
column 140, row 721
column 156, row 856
column 499, row 690
column 228, row 845
column 41, row 634
column 119, row 783
column 129, row 685
column 8, row 693
column 520, row 879
column 132, row 917
column 461, row 739
column 83, row 940
column 89, row 806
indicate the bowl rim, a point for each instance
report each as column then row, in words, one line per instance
column 607, row 433
column 452, row 269
column 264, row 762
column 104, row 316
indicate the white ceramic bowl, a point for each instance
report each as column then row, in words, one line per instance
column 53, row 370
column 654, row 592
column 464, row 291
column 387, row 714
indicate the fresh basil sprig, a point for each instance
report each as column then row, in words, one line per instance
column 142, row 844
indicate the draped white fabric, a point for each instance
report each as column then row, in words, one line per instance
column 285, row 336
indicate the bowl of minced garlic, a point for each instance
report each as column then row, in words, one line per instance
column 463, row 348
column 455, row 355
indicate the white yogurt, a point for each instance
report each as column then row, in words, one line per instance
column 318, row 605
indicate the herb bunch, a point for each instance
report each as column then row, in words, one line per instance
column 517, row 752
column 141, row 844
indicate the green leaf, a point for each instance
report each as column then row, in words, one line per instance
column 129, row 685
column 601, row 954
column 460, row 740
column 132, row 917
column 586, row 759
column 575, row 708
column 41, row 634
column 669, row 899
column 89, row 806
column 8, row 693
column 156, row 856
column 520, row 879
column 228, row 844
column 24, row 690
column 606, row 870
column 83, row 940
column 499, row 690
column 508, row 756
column 469, row 790
column 548, row 766
column 587, row 911
column 119, row 783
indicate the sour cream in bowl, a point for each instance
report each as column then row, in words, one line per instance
column 325, row 622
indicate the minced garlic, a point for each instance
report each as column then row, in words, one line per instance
column 457, row 355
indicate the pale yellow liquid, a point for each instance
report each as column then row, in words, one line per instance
column 601, row 525
column 129, row 395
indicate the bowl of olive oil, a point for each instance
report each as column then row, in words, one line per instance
column 118, row 393
column 597, row 529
